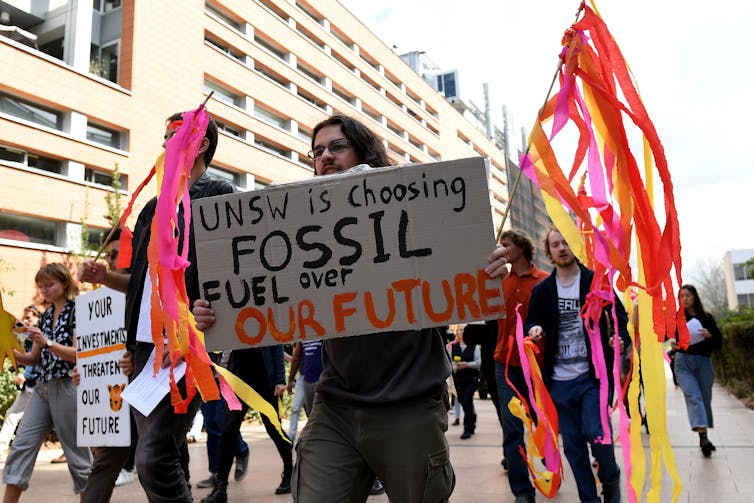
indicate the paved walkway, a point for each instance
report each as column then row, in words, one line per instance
column 727, row 477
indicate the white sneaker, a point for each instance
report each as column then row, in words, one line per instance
column 124, row 477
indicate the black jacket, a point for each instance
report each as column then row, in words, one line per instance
column 203, row 187
column 705, row 347
column 543, row 311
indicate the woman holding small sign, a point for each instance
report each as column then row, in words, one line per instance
column 53, row 403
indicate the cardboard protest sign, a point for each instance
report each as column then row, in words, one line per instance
column 103, row 418
column 371, row 250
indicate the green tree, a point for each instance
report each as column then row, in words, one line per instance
column 114, row 199
column 5, row 266
column 749, row 265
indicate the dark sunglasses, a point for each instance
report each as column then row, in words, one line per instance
column 334, row 147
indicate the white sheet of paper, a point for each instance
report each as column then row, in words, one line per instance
column 146, row 391
column 695, row 330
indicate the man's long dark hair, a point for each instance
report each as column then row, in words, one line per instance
column 210, row 135
column 369, row 148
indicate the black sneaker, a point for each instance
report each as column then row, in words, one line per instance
column 707, row 448
column 285, row 485
column 219, row 494
column 466, row 435
column 377, row 487
column 210, row 482
column 242, row 463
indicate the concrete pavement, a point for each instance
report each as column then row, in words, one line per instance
column 726, row 477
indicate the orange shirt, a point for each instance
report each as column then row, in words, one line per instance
column 516, row 289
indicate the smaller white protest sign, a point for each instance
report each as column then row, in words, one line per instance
column 102, row 417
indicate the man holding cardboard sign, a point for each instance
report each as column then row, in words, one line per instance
column 370, row 383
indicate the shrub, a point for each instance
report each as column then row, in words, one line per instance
column 734, row 364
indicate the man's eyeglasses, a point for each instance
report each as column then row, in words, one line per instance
column 334, row 147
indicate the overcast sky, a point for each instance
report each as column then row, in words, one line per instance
column 692, row 61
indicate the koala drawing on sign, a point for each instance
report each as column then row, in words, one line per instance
column 116, row 402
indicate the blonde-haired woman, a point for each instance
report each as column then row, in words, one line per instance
column 53, row 403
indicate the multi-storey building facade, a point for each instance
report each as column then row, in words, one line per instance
column 87, row 84
column 739, row 278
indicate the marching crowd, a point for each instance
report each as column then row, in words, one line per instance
column 377, row 404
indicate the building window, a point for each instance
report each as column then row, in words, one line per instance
column 12, row 155
column 30, row 159
column 103, row 61
column 29, row 111
column 107, row 5
column 271, row 46
column 103, row 135
column 274, row 76
column 28, row 229
column 371, row 113
column 395, row 129
column 395, row 100
column 743, row 272
column 311, row 99
column 316, row 77
column 104, row 178
column 368, row 59
column 274, row 9
column 393, row 79
column 311, row 37
column 96, row 237
column 374, row 85
column 309, row 10
column 44, row 163
column 745, row 300
column 271, row 117
column 225, row 18
column 340, row 93
column 225, row 48
column 238, row 180
column 53, row 48
column 447, row 84
column 223, row 94
column 416, row 143
column 342, row 37
column 271, row 147
column 259, row 184
column 304, row 134
column 231, row 130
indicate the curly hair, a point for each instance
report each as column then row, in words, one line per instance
column 369, row 148
column 522, row 240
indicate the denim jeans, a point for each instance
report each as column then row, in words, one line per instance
column 578, row 404
column 695, row 377
column 513, row 429
column 213, row 413
column 297, row 404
